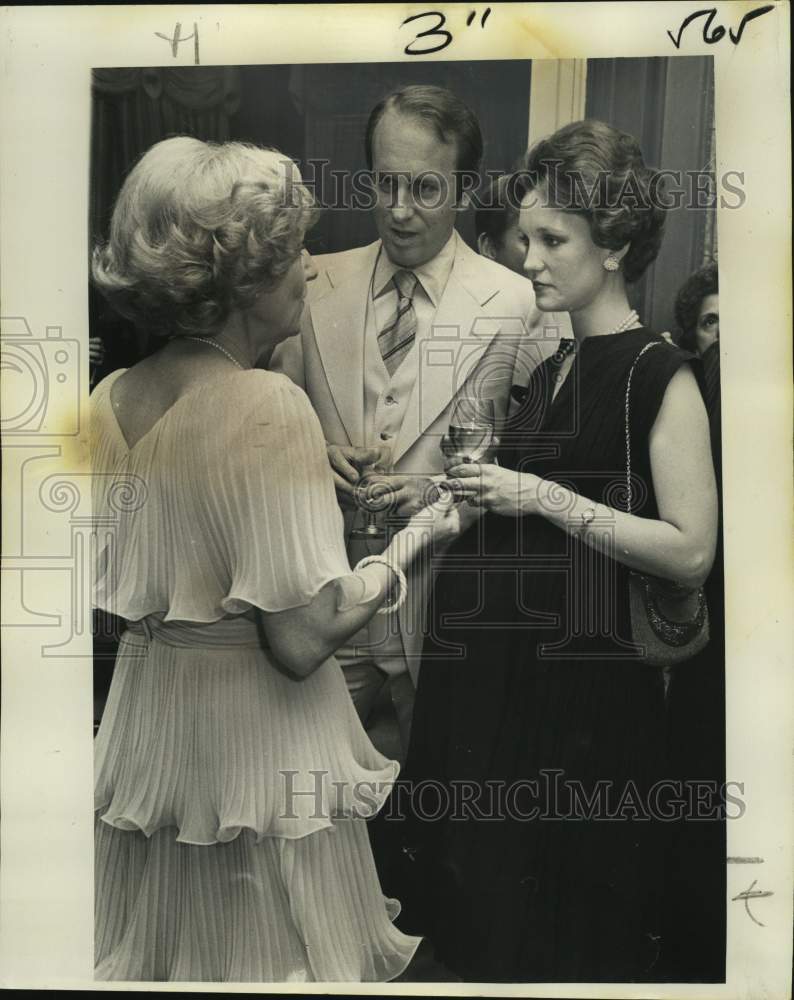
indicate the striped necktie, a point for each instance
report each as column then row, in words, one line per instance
column 397, row 337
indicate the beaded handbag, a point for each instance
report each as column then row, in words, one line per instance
column 669, row 622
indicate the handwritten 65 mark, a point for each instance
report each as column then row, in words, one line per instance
column 719, row 31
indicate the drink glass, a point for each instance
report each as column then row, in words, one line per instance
column 471, row 432
column 372, row 495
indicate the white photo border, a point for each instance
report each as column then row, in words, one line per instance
column 46, row 892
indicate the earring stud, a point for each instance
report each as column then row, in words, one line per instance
column 611, row 263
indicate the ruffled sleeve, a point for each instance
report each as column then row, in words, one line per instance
column 234, row 507
column 285, row 529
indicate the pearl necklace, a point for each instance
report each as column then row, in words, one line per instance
column 567, row 346
column 632, row 319
column 217, row 346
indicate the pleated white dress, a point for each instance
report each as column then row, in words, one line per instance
column 231, row 798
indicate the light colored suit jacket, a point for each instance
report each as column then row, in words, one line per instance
column 487, row 335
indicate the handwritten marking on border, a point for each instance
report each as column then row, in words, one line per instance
column 177, row 38
column 719, row 31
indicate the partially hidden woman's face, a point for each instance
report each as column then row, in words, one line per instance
column 280, row 308
column 509, row 250
column 708, row 324
column 561, row 260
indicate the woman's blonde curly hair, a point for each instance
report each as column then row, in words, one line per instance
column 199, row 229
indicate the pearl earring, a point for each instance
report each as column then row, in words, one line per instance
column 611, row 263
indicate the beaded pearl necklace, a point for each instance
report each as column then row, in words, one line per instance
column 567, row 346
column 217, row 346
column 631, row 320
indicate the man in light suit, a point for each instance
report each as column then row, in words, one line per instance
column 393, row 333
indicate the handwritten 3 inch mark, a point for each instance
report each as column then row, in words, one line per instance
column 719, row 31
column 437, row 31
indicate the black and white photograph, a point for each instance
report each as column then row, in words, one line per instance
column 418, row 623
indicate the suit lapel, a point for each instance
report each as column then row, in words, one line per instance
column 450, row 351
column 339, row 320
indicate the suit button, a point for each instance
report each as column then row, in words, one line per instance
column 390, row 401
column 385, row 436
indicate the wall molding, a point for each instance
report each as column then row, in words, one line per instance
column 557, row 96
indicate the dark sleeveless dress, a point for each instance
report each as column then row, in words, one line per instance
column 695, row 922
column 533, row 712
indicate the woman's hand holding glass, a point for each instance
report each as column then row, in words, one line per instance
column 470, row 439
column 435, row 524
column 494, row 489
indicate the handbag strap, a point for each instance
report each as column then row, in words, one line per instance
column 654, row 343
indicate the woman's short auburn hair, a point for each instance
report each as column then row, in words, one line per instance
column 597, row 171
column 200, row 229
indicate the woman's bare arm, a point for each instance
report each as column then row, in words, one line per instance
column 680, row 544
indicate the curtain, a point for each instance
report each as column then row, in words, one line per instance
column 668, row 104
column 135, row 108
column 335, row 101
column 131, row 110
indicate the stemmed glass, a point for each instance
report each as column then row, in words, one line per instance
column 372, row 495
column 471, row 435
column 472, row 432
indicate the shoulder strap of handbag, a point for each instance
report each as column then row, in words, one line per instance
column 647, row 347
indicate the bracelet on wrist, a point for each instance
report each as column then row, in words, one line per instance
column 402, row 583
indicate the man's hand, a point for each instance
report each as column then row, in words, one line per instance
column 347, row 464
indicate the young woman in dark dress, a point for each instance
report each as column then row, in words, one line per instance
column 538, row 732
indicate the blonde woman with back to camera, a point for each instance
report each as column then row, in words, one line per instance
column 233, row 777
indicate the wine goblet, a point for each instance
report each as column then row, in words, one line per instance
column 372, row 495
column 471, row 433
